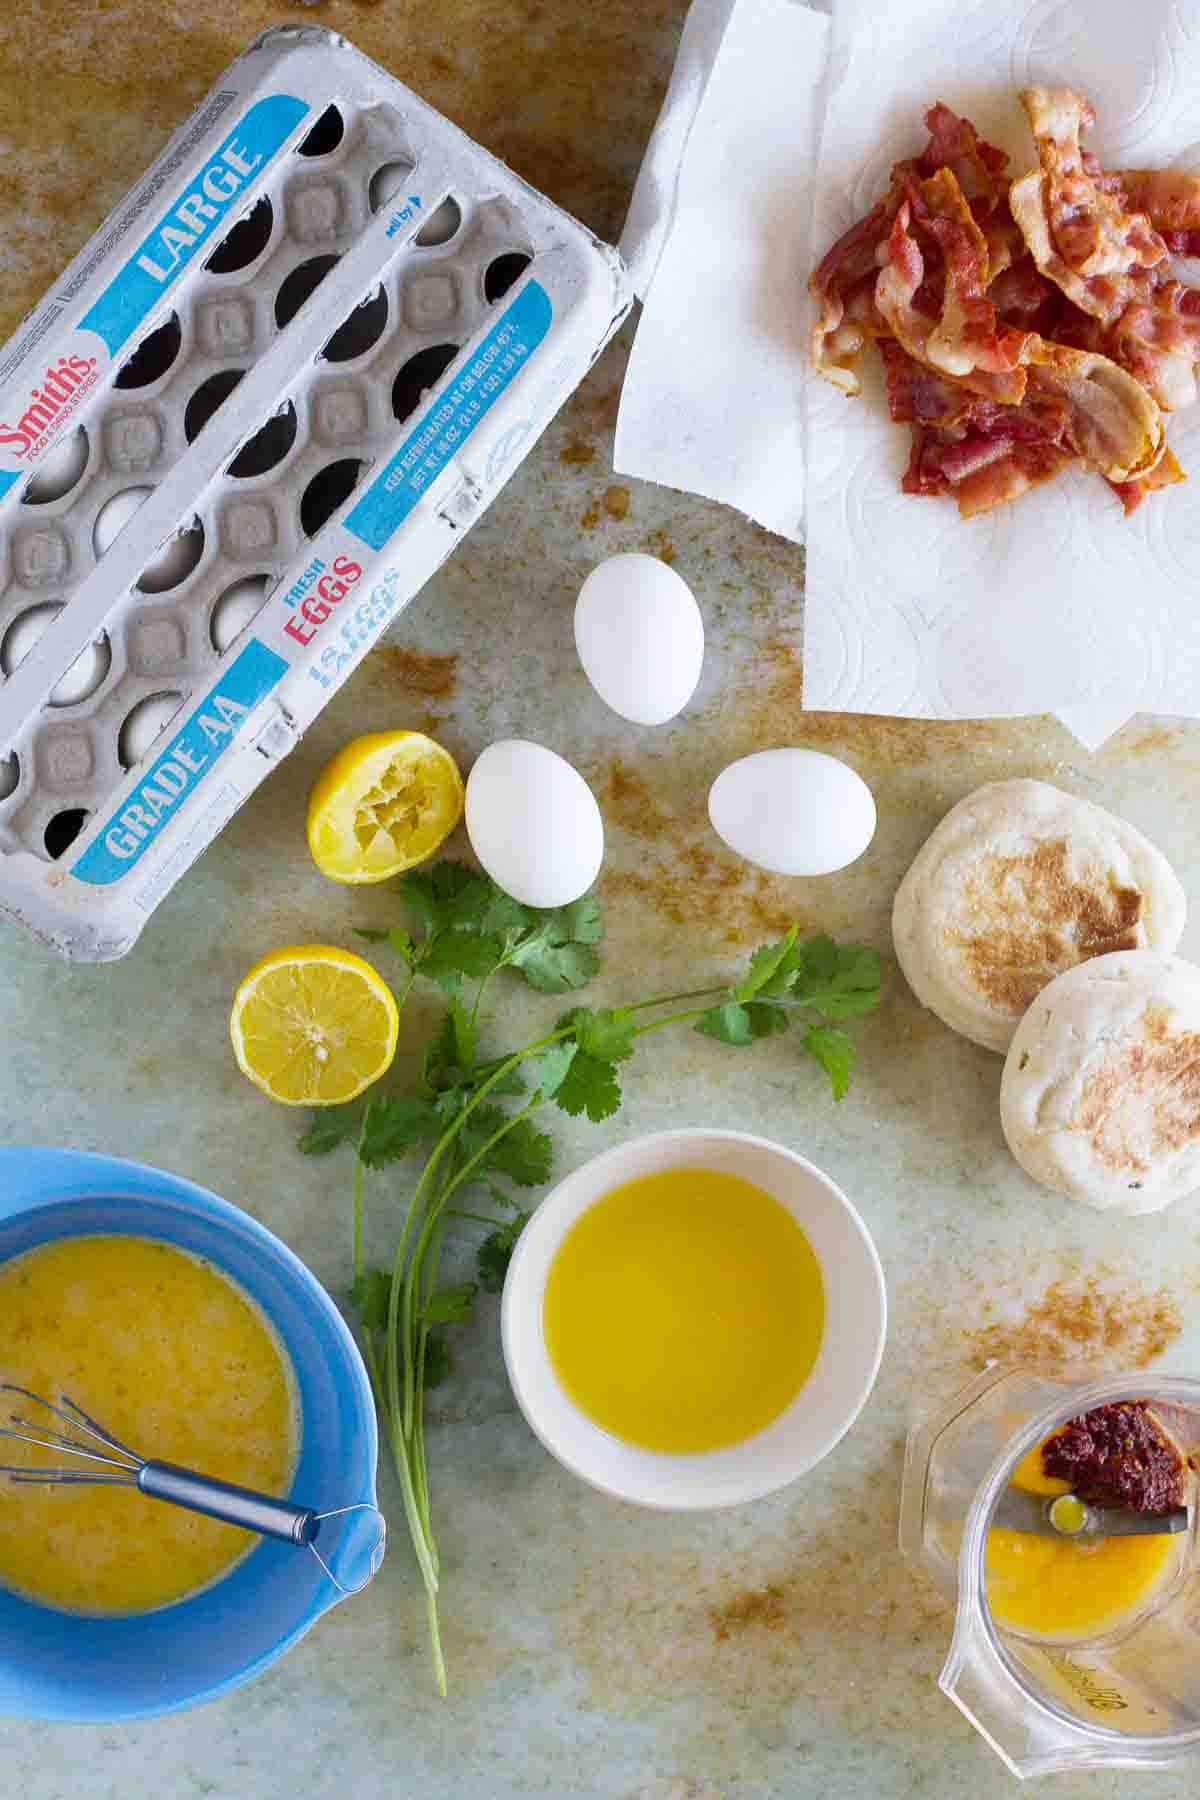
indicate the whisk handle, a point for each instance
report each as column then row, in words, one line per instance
column 222, row 1500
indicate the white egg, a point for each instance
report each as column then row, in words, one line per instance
column 115, row 515
column 533, row 823
column 795, row 812
column 85, row 673
column 387, row 182
column 144, row 725
column 58, row 472
column 175, row 560
column 640, row 637
column 235, row 608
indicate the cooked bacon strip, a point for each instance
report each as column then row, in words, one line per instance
column 1165, row 473
column 963, row 340
column 1093, row 231
column 954, row 144
column 1113, row 424
column 1158, row 341
column 1019, row 292
column 1073, row 217
column 1170, row 199
column 983, row 470
column 842, row 328
column 836, row 343
column 917, row 395
column 1027, row 467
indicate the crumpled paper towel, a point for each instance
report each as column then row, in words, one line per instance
column 717, row 239
column 1057, row 603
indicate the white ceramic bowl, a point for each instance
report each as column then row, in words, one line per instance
column 824, row 1409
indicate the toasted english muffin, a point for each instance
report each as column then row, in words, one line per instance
column 1100, row 1096
column 1018, row 883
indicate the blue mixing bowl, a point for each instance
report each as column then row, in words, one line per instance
column 55, row 1665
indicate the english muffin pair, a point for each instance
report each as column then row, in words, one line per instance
column 1040, row 925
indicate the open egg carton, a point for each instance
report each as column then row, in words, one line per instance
column 248, row 423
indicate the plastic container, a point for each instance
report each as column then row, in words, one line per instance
column 54, row 1665
column 251, row 419
column 1129, row 1698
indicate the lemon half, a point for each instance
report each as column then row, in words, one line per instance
column 313, row 1025
column 384, row 803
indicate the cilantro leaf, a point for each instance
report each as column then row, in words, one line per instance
column 551, row 1065
column 504, row 915
column 495, row 1253
column 834, row 1050
column 455, row 954
column 768, row 965
column 524, row 1154
column 451, row 1305
column 605, row 1033
column 402, row 944
column 729, row 1024
column 331, row 1126
column 555, row 968
column 370, row 1297
column 398, row 938
column 766, row 1020
column 438, row 1361
column 512, row 1083
column 557, row 956
column 837, row 980
column 431, row 893
column 393, row 1125
column 583, row 920
column 590, row 1086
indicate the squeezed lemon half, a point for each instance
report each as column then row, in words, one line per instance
column 382, row 804
column 313, row 1025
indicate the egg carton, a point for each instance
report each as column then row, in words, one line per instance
column 244, row 428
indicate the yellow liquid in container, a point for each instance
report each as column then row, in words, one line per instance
column 172, row 1358
column 684, row 1311
column 1067, row 1588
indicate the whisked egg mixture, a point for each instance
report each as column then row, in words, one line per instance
column 171, row 1357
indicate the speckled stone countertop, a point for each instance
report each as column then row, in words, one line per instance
column 782, row 1649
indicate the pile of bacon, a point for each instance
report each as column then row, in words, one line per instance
column 1022, row 325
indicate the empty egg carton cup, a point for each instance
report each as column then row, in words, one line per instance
column 249, row 422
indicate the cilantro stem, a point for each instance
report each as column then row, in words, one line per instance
column 432, row 1215
column 679, row 1018
column 671, row 999
column 477, row 1219
column 359, row 1173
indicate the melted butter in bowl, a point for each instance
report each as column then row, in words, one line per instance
column 173, row 1358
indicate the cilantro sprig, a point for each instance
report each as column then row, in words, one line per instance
column 473, row 1116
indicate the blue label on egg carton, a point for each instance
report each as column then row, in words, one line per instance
column 445, row 427
column 194, row 220
column 194, row 753
column 52, row 395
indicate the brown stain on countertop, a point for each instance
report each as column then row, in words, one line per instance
column 410, row 671
column 690, row 879
column 799, row 1627
column 1084, row 1322
column 616, row 502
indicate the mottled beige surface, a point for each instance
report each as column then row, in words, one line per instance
column 778, row 1650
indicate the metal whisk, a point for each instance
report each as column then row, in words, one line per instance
column 119, row 1466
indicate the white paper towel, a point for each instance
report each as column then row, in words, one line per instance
column 718, row 230
column 1057, row 603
